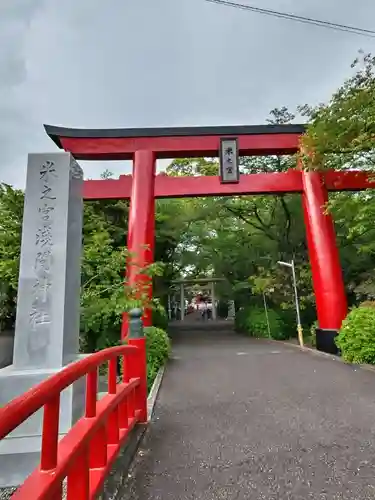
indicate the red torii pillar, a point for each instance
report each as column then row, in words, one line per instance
column 141, row 229
column 331, row 304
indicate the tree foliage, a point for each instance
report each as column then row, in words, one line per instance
column 241, row 238
column 11, row 213
column 253, row 322
column 104, row 294
column 340, row 133
column 357, row 336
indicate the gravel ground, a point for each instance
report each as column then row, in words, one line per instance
column 245, row 419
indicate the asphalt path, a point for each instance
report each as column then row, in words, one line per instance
column 246, row 419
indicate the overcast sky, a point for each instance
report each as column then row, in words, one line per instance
column 134, row 63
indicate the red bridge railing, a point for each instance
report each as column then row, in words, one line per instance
column 86, row 453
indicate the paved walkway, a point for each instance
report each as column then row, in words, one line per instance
column 243, row 419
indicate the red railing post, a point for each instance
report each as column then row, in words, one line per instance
column 91, row 393
column 98, row 449
column 138, row 362
column 113, row 423
column 140, row 366
column 50, row 434
column 124, row 405
column 79, row 478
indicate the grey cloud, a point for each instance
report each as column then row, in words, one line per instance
column 171, row 62
column 15, row 19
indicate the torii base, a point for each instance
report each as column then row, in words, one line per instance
column 325, row 341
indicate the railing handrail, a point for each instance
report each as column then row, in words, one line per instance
column 22, row 407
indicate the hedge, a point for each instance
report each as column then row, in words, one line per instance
column 158, row 349
column 356, row 338
column 160, row 318
column 252, row 321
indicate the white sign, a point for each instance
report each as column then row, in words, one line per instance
column 229, row 168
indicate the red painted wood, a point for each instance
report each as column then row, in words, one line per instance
column 50, row 434
column 139, row 368
column 267, row 183
column 91, row 390
column 97, row 477
column 349, row 181
column 123, row 148
column 115, row 189
column 79, row 478
column 19, row 409
column 98, row 448
column 112, row 376
column 113, row 435
column 131, row 405
column 125, row 370
column 324, row 256
column 141, row 229
column 123, row 416
column 86, row 454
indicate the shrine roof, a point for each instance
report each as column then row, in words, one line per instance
column 55, row 133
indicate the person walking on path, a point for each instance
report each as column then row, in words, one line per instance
column 203, row 309
column 209, row 310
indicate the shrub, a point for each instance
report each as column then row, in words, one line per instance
column 241, row 319
column 357, row 336
column 288, row 317
column 158, row 350
column 160, row 318
column 222, row 309
column 367, row 303
column 313, row 328
column 252, row 320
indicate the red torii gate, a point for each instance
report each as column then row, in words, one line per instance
column 144, row 146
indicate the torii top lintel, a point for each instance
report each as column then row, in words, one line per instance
column 185, row 142
column 175, row 142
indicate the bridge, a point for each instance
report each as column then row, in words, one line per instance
column 234, row 418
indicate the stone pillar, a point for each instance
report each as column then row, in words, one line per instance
column 214, row 315
column 231, row 310
column 182, row 302
column 169, row 307
column 47, row 322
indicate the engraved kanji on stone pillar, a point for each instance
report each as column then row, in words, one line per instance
column 47, row 324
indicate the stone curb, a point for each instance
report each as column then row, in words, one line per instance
column 315, row 352
column 152, row 397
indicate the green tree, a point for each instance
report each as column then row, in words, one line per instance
column 104, row 295
column 340, row 136
column 340, row 133
column 241, row 238
column 11, row 212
